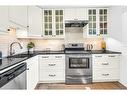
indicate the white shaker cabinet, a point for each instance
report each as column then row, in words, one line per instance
column 106, row 67
column 3, row 19
column 76, row 14
column 34, row 21
column 18, row 17
column 52, row 68
column 32, row 72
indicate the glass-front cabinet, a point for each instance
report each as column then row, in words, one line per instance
column 103, row 21
column 97, row 25
column 92, row 17
column 53, row 23
column 48, row 19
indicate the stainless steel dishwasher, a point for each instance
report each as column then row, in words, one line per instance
column 14, row 78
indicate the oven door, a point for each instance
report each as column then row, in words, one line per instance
column 78, row 64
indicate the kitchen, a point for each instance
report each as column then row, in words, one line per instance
column 63, row 47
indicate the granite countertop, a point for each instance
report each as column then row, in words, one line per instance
column 92, row 52
column 104, row 52
column 10, row 61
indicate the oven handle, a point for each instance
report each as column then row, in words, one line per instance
column 77, row 77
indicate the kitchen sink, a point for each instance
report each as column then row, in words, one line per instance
column 20, row 56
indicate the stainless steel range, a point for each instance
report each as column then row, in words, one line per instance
column 78, row 64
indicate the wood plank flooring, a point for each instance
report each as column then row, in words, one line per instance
column 93, row 86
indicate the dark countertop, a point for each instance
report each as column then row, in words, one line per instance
column 92, row 52
column 10, row 61
column 104, row 52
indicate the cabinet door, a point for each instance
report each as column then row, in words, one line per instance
column 18, row 16
column 70, row 14
column 52, row 76
column 92, row 25
column 76, row 14
column 59, row 23
column 48, row 23
column 34, row 21
column 98, row 20
column 103, row 21
column 32, row 72
column 81, row 14
column 3, row 19
column 53, row 23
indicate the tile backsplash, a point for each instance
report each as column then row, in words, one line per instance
column 6, row 40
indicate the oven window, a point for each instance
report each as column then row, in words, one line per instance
column 79, row 63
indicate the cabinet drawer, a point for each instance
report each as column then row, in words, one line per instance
column 52, row 65
column 108, row 64
column 46, row 75
column 51, row 57
column 106, row 58
column 105, row 74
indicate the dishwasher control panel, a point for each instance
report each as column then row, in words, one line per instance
column 12, row 73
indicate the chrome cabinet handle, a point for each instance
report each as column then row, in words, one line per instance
column 111, row 56
column 52, row 75
column 58, row 56
column 105, row 63
column 98, row 56
column 105, row 74
column 51, row 64
column 45, row 56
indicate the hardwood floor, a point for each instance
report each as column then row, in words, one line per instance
column 93, row 86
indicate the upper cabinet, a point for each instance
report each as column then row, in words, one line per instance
column 53, row 23
column 34, row 21
column 18, row 17
column 98, row 20
column 3, row 19
column 76, row 14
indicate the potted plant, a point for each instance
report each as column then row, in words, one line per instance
column 30, row 47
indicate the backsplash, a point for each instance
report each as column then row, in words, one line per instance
column 6, row 40
column 48, row 44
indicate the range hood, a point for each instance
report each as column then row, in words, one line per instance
column 76, row 23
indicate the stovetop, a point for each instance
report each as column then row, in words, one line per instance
column 76, row 52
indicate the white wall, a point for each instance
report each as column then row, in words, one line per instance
column 118, row 38
column 115, row 15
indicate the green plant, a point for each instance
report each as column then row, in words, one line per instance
column 30, row 45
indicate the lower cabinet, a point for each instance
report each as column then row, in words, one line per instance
column 106, row 67
column 32, row 72
column 52, row 68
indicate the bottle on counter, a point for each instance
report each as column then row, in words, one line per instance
column 103, row 45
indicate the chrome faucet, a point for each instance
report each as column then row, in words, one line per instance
column 11, row 52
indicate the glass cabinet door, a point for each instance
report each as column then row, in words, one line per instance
column 47, row 22
column 92, row 27
column 59, row 22
column 103, row 21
